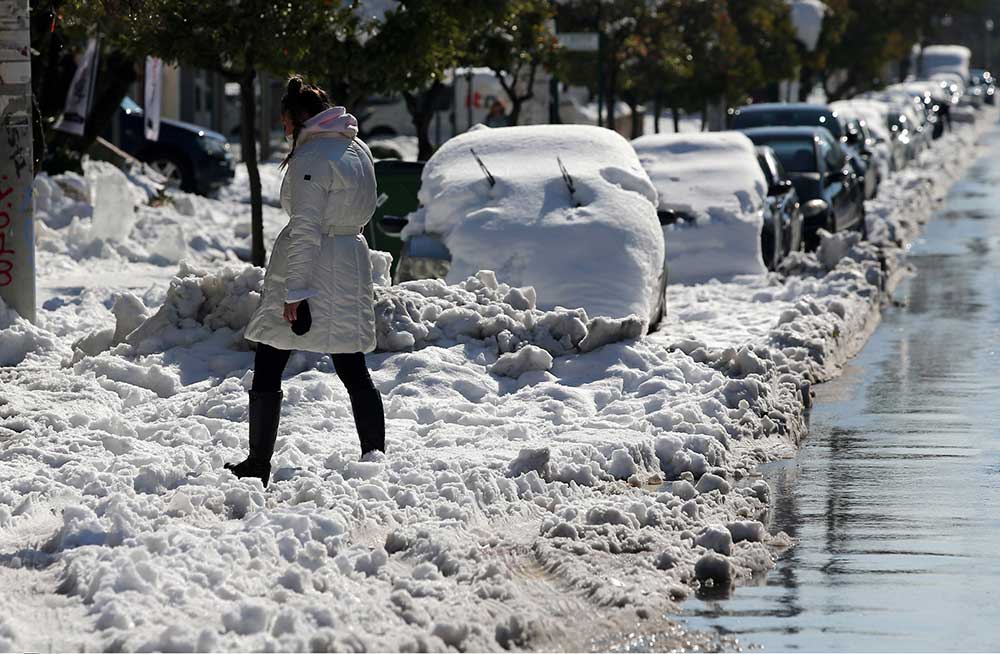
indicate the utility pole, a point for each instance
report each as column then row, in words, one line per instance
column 17, row 229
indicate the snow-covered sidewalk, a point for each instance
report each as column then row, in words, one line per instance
column 551, row 479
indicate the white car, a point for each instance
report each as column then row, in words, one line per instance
column 713, row 200
column 567, row 209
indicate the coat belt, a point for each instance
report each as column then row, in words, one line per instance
column 337, row 230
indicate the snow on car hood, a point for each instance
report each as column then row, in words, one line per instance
column 604, row 256
column 714, row 178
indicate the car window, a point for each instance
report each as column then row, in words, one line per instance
column 796, row 156
column 130, row 105
column 779, row 169
column 791, row 117
column 762, row 159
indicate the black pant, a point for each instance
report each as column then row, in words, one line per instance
column 366, row 401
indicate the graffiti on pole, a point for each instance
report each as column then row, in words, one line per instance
column 17, row 230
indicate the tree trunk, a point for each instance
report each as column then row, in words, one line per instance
column 636, row 121
column 806, row 81
column 120, row 73
column 657, row 109
column 676, row 116
column 421, row 108
column 609, row 96
column 248, row 146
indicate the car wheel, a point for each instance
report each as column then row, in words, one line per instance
column 175, row 169
column 661, row 305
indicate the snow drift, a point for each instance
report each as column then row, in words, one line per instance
column 714, row 179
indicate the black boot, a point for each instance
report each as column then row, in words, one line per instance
column 265, row 410
column 369, row 418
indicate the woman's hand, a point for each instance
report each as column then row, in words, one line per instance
column 291, row 311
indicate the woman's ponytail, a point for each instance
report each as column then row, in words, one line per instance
column 301, row 102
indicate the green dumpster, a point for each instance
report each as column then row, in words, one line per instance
column 398, row 183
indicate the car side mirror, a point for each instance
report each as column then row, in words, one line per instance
column 780, row 187
column 393, row 225
column 667, row 217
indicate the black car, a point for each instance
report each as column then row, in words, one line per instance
column 192, row 158
column 770, row 114
column 785, row 236
column 828, row 187
column 986, row 82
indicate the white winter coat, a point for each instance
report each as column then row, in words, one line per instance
column 328, row 193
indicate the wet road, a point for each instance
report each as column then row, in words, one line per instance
column 895, row 496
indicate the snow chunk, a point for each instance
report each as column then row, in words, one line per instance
column 113, row 200
column 717, row 539
column 714, row 568
column 515, row 364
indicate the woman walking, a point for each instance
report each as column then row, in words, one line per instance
column 318, row 293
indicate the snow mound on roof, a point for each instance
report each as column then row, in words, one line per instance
column 945, row 59
column 599, row 249
column 203, row 307
column 713, row 177
column 807, row 17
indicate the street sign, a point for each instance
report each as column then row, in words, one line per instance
column 578, row 41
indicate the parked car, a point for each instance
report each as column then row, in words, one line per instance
column 713, row 203
column 784, row 206
column 192, row 158
column 566, row 209
column 827, row 186
column 890, row 152
column 984, row 80
column 801, row 113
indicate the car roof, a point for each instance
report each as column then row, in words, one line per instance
column 785, row 106
column 785, row 132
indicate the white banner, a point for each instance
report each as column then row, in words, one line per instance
column 153, row 94
column 74, row 116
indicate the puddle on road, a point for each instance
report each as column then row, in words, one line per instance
column 895, row 496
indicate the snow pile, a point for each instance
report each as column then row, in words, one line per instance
column 60, row 198
column 714, row 180
column 609, row 484
column 807, row 17
column 590, row 241
column 213, row 308
column 123, row 218
column 419, row 313
column 21, row 341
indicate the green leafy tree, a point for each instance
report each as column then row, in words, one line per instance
column 415, row 44
column 237, row 39
column 515, row 44
column 766, row 26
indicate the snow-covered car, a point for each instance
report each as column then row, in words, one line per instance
column 819, row 169
column 566, row 209
column 783, row 201
column 889, row 150
column 713, row 199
